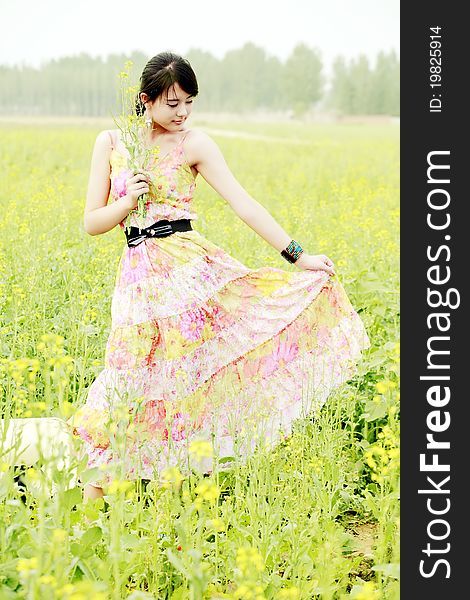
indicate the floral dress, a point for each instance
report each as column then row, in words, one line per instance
column 204, row 349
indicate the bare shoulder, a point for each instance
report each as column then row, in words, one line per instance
column 102, row 149
column 198, row 145
column 104, row 144
column 106, row 139
column 196, row 137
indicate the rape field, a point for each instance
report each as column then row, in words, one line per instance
column 316, row 518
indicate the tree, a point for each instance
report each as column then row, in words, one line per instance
column 358, row 89
column 302, row 78
column 341, row 93
column 361, row 86
column 244, row 78
column 386, row 81
column 207, row 69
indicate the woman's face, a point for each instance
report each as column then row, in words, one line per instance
column 171, row 112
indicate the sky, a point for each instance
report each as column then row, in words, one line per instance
column 35, row 31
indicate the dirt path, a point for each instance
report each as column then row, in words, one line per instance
column 255, row 136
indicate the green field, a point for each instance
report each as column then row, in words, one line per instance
column 317, row 518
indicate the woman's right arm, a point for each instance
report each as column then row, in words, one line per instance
column 99, row 216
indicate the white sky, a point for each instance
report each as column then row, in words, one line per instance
column 34, row 31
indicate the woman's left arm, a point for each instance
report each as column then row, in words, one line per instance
column 205, row 155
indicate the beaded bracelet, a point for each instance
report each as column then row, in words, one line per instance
column 292, row 252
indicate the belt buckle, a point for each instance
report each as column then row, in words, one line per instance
column 161, row 230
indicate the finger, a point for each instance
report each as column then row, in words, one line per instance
column 136, row 178
column 139, row 185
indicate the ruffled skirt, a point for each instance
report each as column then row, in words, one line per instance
column 205, row 349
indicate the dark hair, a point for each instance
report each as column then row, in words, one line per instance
column 160, row 73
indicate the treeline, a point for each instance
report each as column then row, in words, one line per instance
column 245, row 79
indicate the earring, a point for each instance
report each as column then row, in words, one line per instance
column 148, row 119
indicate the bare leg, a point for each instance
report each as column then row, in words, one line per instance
column 92, row 493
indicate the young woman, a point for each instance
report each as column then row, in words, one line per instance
column 201, row 347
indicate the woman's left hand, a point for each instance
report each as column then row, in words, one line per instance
column 318, row 262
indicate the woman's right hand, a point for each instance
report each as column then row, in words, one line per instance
column 135, row 186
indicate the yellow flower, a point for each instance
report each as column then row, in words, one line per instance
column 367, row 592
column 66, row 589
column 59, row 535
column 171, row 477
column 249, row 591
column 208, row 491
column 217, row 524
column 47, row 580
column 40, row 405
column 67, row 409
column 369, row 456
column 117, row 486
column 384, row 386
column 25, row 565
column 381, row 387
column 213, row 591
column 32, row 474
column 200, row 449
column 249, row 558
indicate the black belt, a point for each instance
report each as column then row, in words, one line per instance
column 162, row 228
